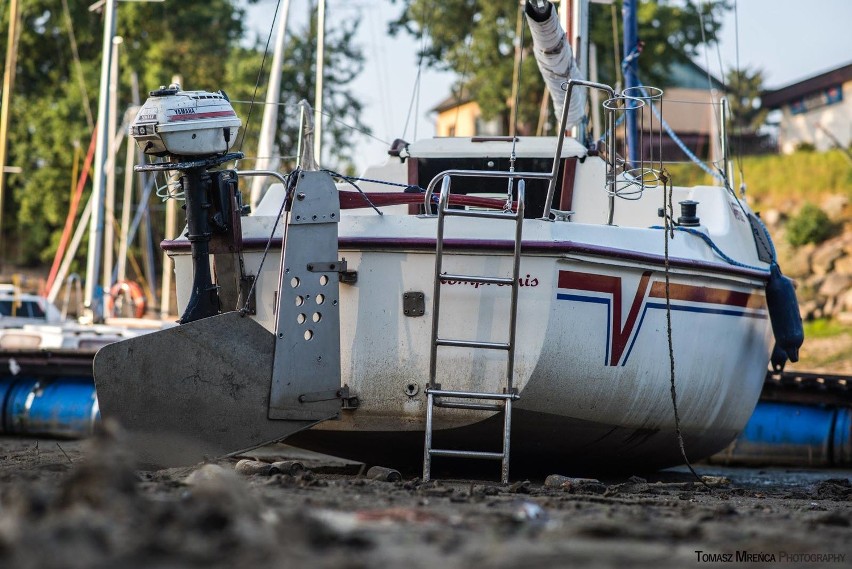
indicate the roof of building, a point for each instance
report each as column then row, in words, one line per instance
column 779, row 97
column 455, row 99
column 689, row 75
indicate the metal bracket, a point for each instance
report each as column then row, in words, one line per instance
column 328, row 395
column 327, row 267
column 413, row 303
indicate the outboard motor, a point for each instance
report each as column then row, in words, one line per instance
column 195, row 130
column 220, row 384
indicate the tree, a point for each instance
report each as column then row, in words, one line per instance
column 344, row 61
column 745, row 86
column 475, row 39
column 198, row 39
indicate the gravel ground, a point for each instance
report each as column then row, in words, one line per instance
column 82, row 504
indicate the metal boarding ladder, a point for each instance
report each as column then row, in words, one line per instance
column 435, row 395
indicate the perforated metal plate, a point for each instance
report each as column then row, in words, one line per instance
column 306, row 369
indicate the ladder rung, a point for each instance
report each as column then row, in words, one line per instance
column 467, row 454
column 472, row 344
column 483, row 214
column 471, row 406
column 472, row 394
column 478, row 279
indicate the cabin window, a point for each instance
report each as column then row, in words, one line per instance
column 536, row 190
column 25, row 309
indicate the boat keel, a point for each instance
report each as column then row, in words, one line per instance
column 194, row 392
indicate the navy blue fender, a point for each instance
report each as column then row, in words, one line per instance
column 784, row 315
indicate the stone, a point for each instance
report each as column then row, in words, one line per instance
column 835, row 284
column 834, row 205
column 825, row 256
column 843, row 265
column 844, row 317
column 796, row 262
column 807, row 309
column 772, row 217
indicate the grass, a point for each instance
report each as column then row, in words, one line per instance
column 782, row 180
column 824, row 328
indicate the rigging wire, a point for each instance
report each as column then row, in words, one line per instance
column 349, row 180
column 288, row 192
column 415, row 93
column 260, row 74
column 739, row 139
column 324, row 113
column 87, row 107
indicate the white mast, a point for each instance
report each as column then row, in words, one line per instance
column 96, row 228
column 109, row 202
column 320, row 71
column 266, row 148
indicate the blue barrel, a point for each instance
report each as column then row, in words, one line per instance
column 842, row 440
column 786, row 434
column 15, row 402
column 60, row 407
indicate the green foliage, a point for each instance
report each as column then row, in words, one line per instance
column 197, row 39
column 780, row 180
column 824, row 328
column 476, row 39
column 670, row 31
column 746, row 112
column 810, row 225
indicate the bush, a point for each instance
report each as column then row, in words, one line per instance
column 810, row 225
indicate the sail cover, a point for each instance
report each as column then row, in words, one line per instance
column 555, row 59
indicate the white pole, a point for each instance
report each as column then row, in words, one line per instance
column 109, row 202
column 72, row 250
column 266, row 146
column 126, row 201
column 578, row 37
column 320, row 70
column 96, row 228
column 166, row 291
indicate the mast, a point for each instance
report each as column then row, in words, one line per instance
column 96, row 228
column 109, row 202
column 631, row 79
column 266, row 146
column 8, row 83
column 320, row 71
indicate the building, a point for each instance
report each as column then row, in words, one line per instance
column 688, row 108
column 815, row 111
column 460, row 115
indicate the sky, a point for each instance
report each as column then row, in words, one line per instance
column 789, row 40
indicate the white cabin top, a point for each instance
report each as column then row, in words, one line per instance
column 493, row 147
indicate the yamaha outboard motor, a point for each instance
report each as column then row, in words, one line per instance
column 195, row 130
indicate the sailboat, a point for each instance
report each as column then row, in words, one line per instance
column 495, row 298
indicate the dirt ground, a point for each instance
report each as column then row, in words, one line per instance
column 82, row 504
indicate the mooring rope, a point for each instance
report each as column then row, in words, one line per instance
column 668, row 232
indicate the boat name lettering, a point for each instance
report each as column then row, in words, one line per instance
column 522, row 281
column 737, row 213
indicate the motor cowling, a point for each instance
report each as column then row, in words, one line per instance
column 185, row 123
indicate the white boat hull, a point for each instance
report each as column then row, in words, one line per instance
column 592, row 361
